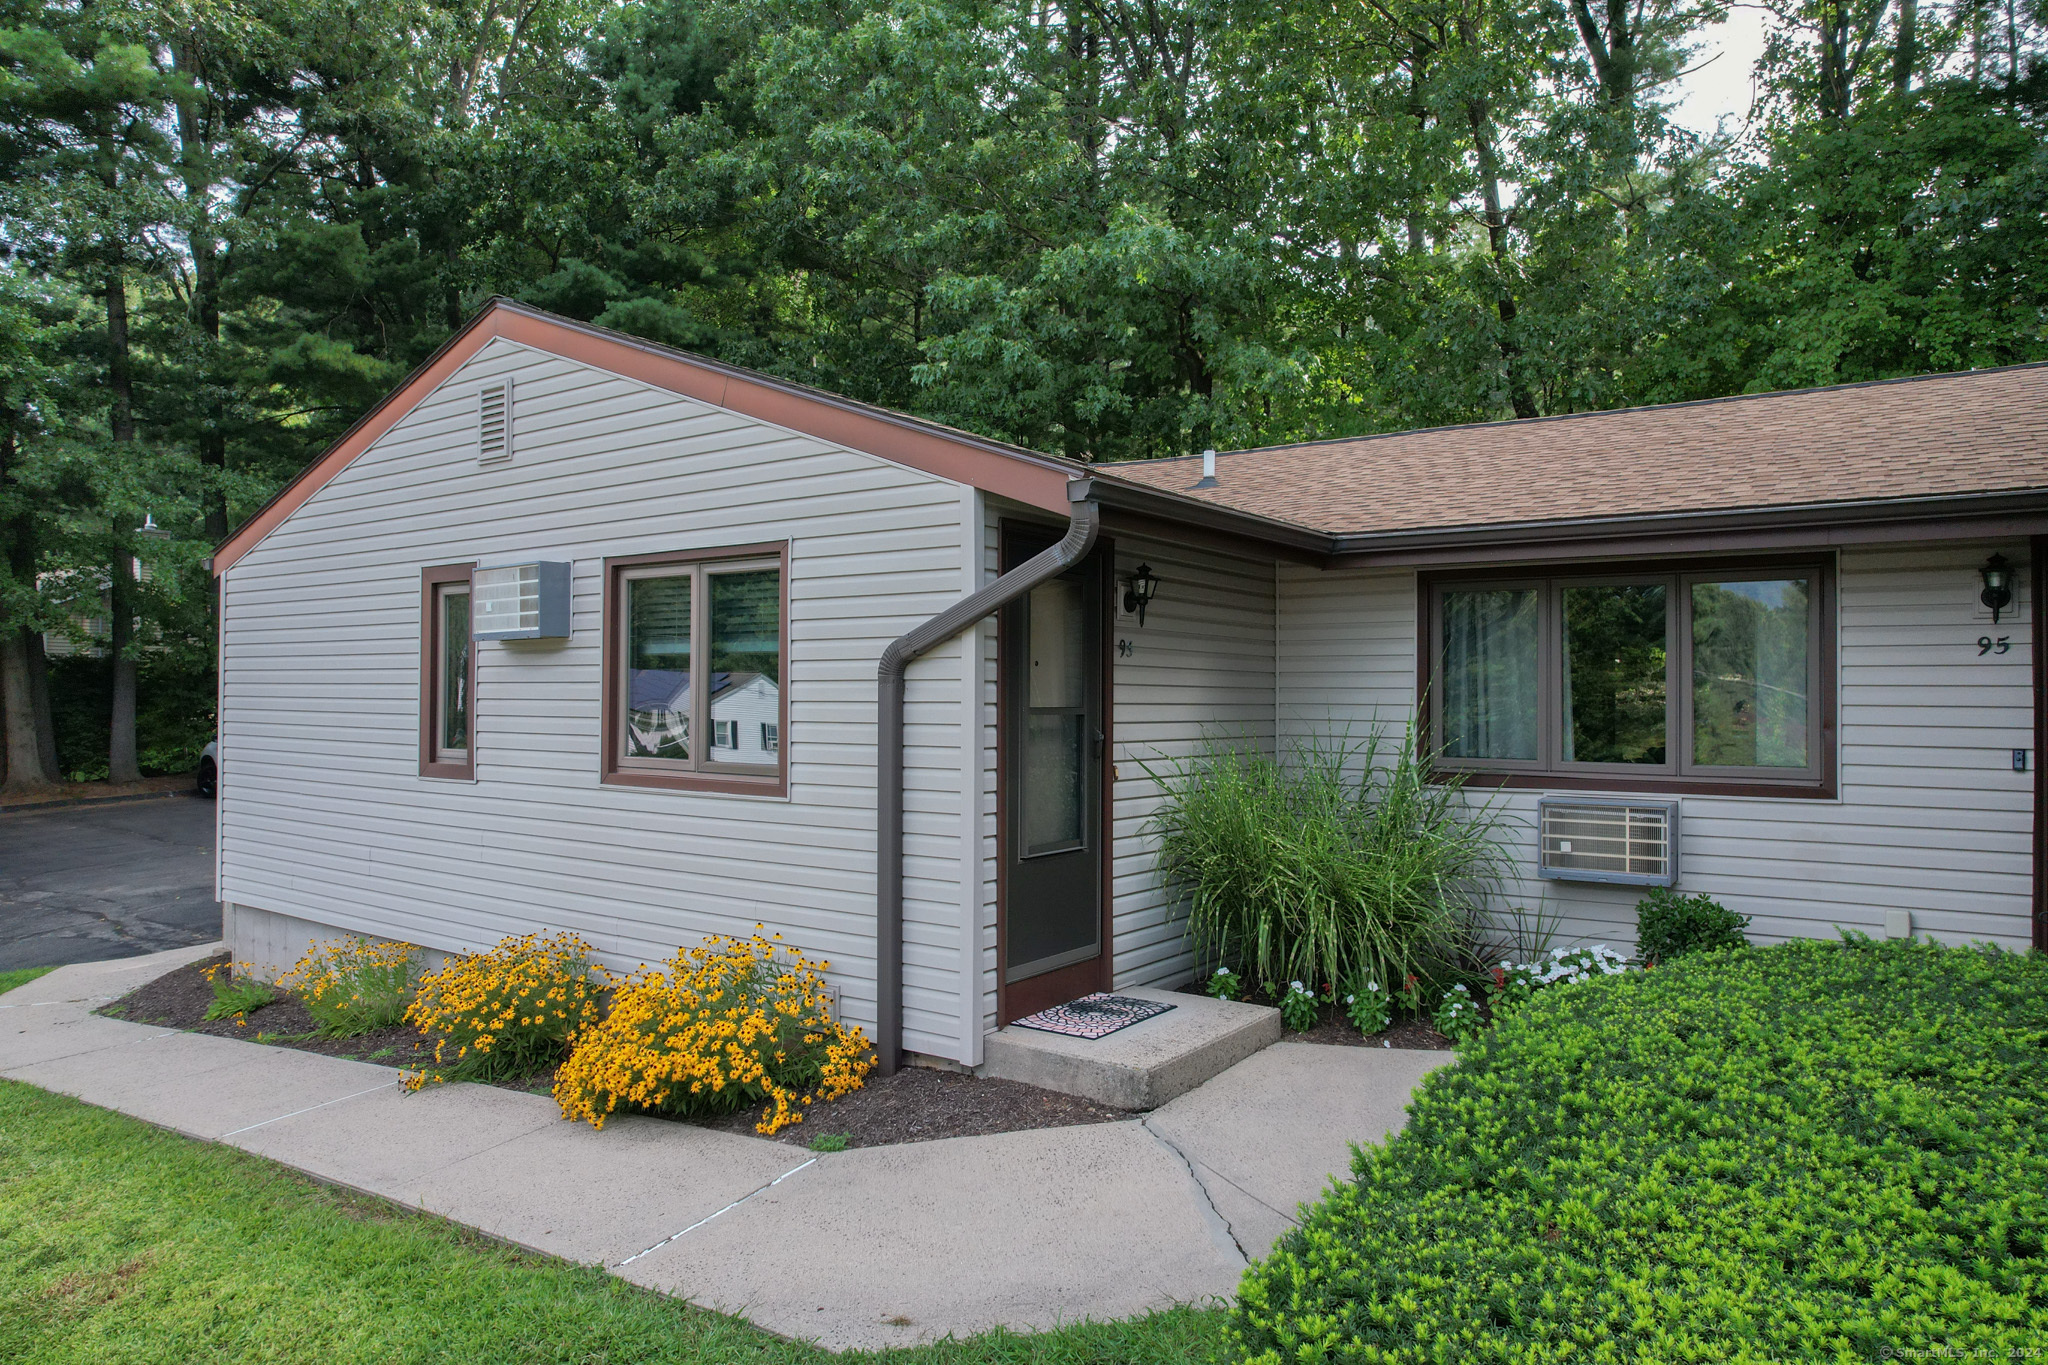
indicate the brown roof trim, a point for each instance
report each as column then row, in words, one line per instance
column 1812, row 523
column 1596, row 412
column 1012, row 471
column 1145, row 501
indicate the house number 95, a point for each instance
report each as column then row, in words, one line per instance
column 1987, row 645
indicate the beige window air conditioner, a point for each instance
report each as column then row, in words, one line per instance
column 1634, row 843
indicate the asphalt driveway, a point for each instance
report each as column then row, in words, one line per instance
column 86, row 883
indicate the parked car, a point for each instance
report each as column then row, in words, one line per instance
column 209, row 769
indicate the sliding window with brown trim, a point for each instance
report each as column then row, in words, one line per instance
column 695, row 684
column 447, row 668
column 1676, row 677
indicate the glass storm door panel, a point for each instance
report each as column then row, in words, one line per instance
column 1052, row 787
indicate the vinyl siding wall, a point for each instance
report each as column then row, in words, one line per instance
column 1201, row 667
column 325, row 818
column 1930, row 817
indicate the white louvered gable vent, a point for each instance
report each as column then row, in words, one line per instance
column 494, row 424
column 1632, row 842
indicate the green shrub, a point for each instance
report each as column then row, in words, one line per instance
column 1820, row 1151
column 1342, row 863
column 1669, row 925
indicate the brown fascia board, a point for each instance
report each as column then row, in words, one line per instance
column 1155, row 511
column 764, row 395
column 1812, row 525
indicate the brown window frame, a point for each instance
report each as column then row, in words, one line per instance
column 1678, row 774
column 698, row 772
column 432, row 581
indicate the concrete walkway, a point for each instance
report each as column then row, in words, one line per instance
column 879, row 1246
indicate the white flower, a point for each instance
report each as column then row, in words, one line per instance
column 1349, row 999
column 1372, row 985
column 1223, row 971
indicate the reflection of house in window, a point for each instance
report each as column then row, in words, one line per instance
column 658, row 714
column 743, row 706
column 746, row 714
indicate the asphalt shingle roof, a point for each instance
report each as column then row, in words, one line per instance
column 1981, row 431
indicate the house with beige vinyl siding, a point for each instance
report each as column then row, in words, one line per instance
column 576, row 632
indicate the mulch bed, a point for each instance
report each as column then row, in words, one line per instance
column 920, row 1104
column 1334, row 1029
column 179, row 999
column 917, row 1104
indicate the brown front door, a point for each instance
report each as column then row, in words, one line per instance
column 1052, row 938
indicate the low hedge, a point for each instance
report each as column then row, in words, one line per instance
column 1821, row 1151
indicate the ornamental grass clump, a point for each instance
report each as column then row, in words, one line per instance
column 507, row 1012
column 352, row 986
column 735, row 1022
column 1343, row 862
column 1818, row 1151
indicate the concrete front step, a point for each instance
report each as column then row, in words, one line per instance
column 1142, row 1066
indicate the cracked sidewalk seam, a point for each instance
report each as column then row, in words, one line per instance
column 721, row 1213
column 1208, row 1199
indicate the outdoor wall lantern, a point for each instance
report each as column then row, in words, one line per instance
column 1138, row 592
column 1997, row 593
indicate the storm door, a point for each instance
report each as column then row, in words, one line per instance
column 1052, row 935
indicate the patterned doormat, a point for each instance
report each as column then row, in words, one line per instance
column 1093, row 1016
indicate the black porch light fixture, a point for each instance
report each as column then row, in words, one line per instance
column 1139, row 590
column 1997, row 593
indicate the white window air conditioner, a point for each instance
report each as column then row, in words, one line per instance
column 520, row 601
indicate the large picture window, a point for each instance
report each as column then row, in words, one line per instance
column 447, row 670
column 1672, row 678
column 694, row 679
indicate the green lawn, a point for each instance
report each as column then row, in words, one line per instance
column 21, row 976
column 121, row 1242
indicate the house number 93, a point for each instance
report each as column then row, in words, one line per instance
column 1987, row 645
